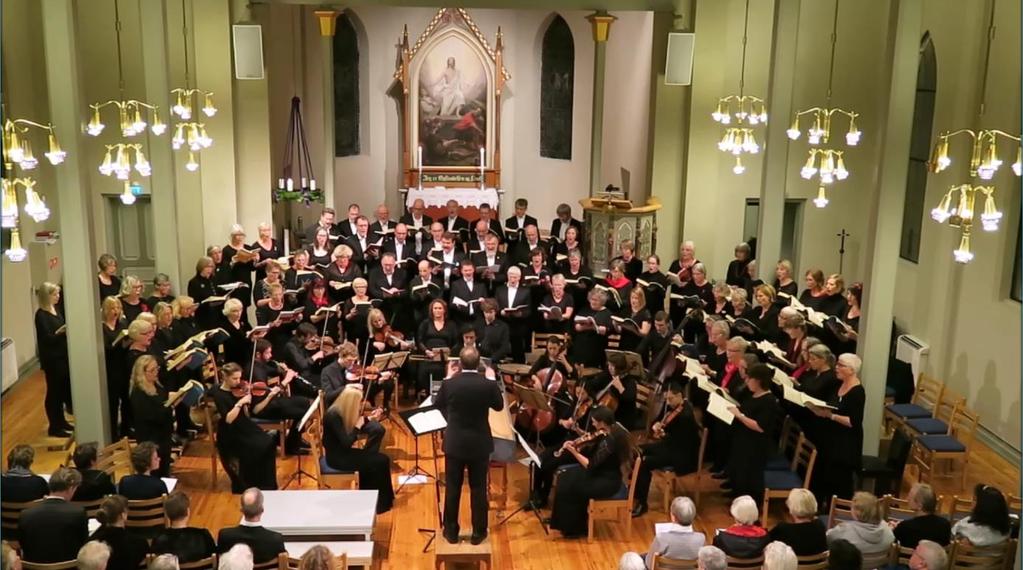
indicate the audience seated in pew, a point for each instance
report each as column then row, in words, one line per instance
column 19, row 484
column 928, row 555
column 93, row 555
column 127, row 550
column 265, row 543
column 988, row 523
column 926, row 525
column 96, row 484
column 54, row 517
column 866, row 531
column 745, row 538
column 238, row 557
column 144, row 484
column 779, row 556
column 187, row 543
column 806, row 533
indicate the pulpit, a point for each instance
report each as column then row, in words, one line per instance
column 610, row 221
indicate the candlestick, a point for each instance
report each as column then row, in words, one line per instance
column 483, row 154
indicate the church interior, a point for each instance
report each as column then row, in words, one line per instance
column 854, row 140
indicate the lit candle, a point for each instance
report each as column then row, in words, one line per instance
column 419, row 151
column 483, row 154
column 280, row 183
column 291, row 185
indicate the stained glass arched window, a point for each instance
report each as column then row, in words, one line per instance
column 557, row 81
column 919, row 151
column 346, row 88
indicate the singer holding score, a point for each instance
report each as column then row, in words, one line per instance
column 464, row 399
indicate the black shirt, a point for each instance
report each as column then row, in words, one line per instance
column 910, row 532
column 189, row 544
column 805, row 538
column 95, row 485
column 141, row 487
column 22, row 488
column 112, row 290
column 127, row 550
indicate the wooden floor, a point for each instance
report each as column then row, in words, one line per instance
column 518, row 545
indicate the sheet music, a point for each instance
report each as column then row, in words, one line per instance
column 429, row 421
column 427, row 402
column 718, row 407
column 309, row 413
column 529, row 450
column 780, row 378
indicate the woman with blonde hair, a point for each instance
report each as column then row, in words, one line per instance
column 51, row 338
column 318, row 557
column 637, row 311
column 783, row 282
column 805, row 533
column 342, row 425
column 131, row 298
column 240, row 271
column 868, row 532
column 267, row 249
column 271, row 271
column 341, row 273
column 238, row 346
column 115, row 355
column 154, row 420
column 184, row 309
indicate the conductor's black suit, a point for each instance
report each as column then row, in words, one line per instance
column 464, row 399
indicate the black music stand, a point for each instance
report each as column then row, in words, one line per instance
column 421, row 421
column 390, row 361
column 531, row 398
column 534, row 462
column 297, row 475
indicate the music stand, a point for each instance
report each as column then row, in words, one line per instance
column 531, row 398
column 633, row 361
column 387, row 362
column 421, row 421
column 534, row 462
column 297, row 475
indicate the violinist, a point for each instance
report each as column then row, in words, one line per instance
column 317, row 310
column 550, row 374
column 340, row 373
column 239, row 438
column 557, row 309
column 305, row 354
column 382, row 339
column 279, row 405
column 573, row 426
column 342, row 425
column 618, row 390
column 676, row 444
column 600, row 475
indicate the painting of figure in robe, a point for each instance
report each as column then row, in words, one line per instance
column 452, row 104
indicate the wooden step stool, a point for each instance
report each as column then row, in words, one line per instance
column 462, row 553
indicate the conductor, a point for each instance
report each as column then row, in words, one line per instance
column 464, row 399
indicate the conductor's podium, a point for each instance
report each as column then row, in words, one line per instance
column 462, row 553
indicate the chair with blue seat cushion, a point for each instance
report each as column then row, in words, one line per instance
column 280, row 426
column 954, row 449
column 326, row 476
column 619, row 507
column 928, row 426
column 925, row 400
column 777, row 484
column 788, row 441
column 938, row 422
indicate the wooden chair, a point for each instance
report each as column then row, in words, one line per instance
column 539, row 340
column 878, row 559
column 669, row 482
column 146, row 516
column 114, row 457
column 9, row 515
column 813, row 561
column 926, row 396
column 67, row 565
column 897, row 510
column 840, row 511
column 955, row 447
column 619, row 507
column 281, row 561
column 788, row 442
column 939, row 422
column 969, row 557
column 777, row 484
column 901, row 555
column 745, row 563
column 209, row 413
column 204, row 564
column 280, row 425
column 327, row 477
column 91, row 507
column 960, row 508
column 665, row 563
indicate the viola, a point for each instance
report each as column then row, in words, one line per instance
column 657, row 430
column 608, row 397
column 389, row 337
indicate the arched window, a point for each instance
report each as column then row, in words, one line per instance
column 346, row 88
column 919, row 151
column 557, row 81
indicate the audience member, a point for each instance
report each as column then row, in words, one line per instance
column 866, row 531
column 55, row 517
column 239, row 557
column 631, row 561
column 318, row 557
column 806, row 533
column 19, row 484
column 9, row 559
column 988, row 523
column 928, row 555
column 711, row 558
column 164, row 562
column 96, row 484
column 143, row 484
column 265, row 543
column 93, row 555
column 926, row 524
column 680, row 541
column 744, row 539
column 779, row 556
column 127, row 550
column 843, row 555
column 188, row 544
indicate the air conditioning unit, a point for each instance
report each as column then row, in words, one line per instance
column 914, row 351
column 9, row 356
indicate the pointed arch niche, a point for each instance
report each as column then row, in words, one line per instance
column 347, row 93
column 557, row 87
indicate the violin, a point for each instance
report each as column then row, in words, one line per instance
column 582, row 407
column 389, row 337
column 657, row 430
column 582, row 440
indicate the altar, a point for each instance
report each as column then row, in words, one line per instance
column 438, row 196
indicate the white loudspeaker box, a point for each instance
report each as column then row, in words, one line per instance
column 248, row 51
column 678, row 65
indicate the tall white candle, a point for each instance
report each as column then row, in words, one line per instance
column 420, row 160
column 483, row 154
column 291, row 185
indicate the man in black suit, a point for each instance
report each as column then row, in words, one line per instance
column 418, row 222
column 265, row 543
column 464, row 400
column 478, row 237
column 489, row 216
column 516, row 224
column 508, row 298
column 403, row 248
column 54, row 530
column 326, row 222
column 466, row 294
column 494, row 335
column 363, row 251
column 530, row 241
column 563, row 222
column 388, row 283
column 96, row 484
column 490, row 257
column 20, row 484
column 454, row 223
column 383, row 226
column 346, row 228
column 445, row 261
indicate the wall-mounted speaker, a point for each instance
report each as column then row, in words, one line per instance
column 678, row 65
column 248, row 51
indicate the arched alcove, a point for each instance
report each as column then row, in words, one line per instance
column 557, row 84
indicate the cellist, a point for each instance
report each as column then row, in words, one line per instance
column 550, row 374
column 575, row 425
column 676, row 443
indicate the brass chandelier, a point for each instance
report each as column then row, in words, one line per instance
column 827, row 163
column 746, row 110
column 956, row 207
column 188, row 132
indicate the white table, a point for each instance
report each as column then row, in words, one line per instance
column 359, row 553
column 466, row 197
column 321, row 513
column 171, row 482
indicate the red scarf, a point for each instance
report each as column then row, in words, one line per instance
column 319, row 302
column 730, row 370
column 618, row 283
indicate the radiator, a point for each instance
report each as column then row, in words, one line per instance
column 10, row 362
column 914, row 351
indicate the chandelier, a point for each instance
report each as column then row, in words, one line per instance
column 296, row 182
column 118, row 161
column 826, row 163
column 188, row 132
column 957, row 205
column 745, row 109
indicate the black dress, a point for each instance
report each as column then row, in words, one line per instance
column 816, row 303
column 132, row 311
column 580, row 289
column 630, row 340
column 239, row 272
column 602, row 479
column 154, row 422
column 244, row 441
column 237, row 347
column 127, row 550
column 53, row 358
column 430, row 337
column 117, row 380
column 280, row 334
column 588, row 346
column 655, row 290
column 264, row 254
column 766, row 321
column 374, row 468
column 789, row 288
column 112, row 290
column 319, row 260
column 750, row 449
column 840, row 452
column 736, row 273
column 557, row 326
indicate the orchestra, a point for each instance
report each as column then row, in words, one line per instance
column 341, row 307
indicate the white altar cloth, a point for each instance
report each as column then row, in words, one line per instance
column 321, row 513
column 439, row 196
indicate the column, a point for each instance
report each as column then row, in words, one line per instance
column 328, row 20
column 88, row 385
column 601, row 22
column 162, row 182
column 776, row 142
column 890, row 193
column 669, row 128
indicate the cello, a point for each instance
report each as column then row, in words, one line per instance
column 540, row 421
